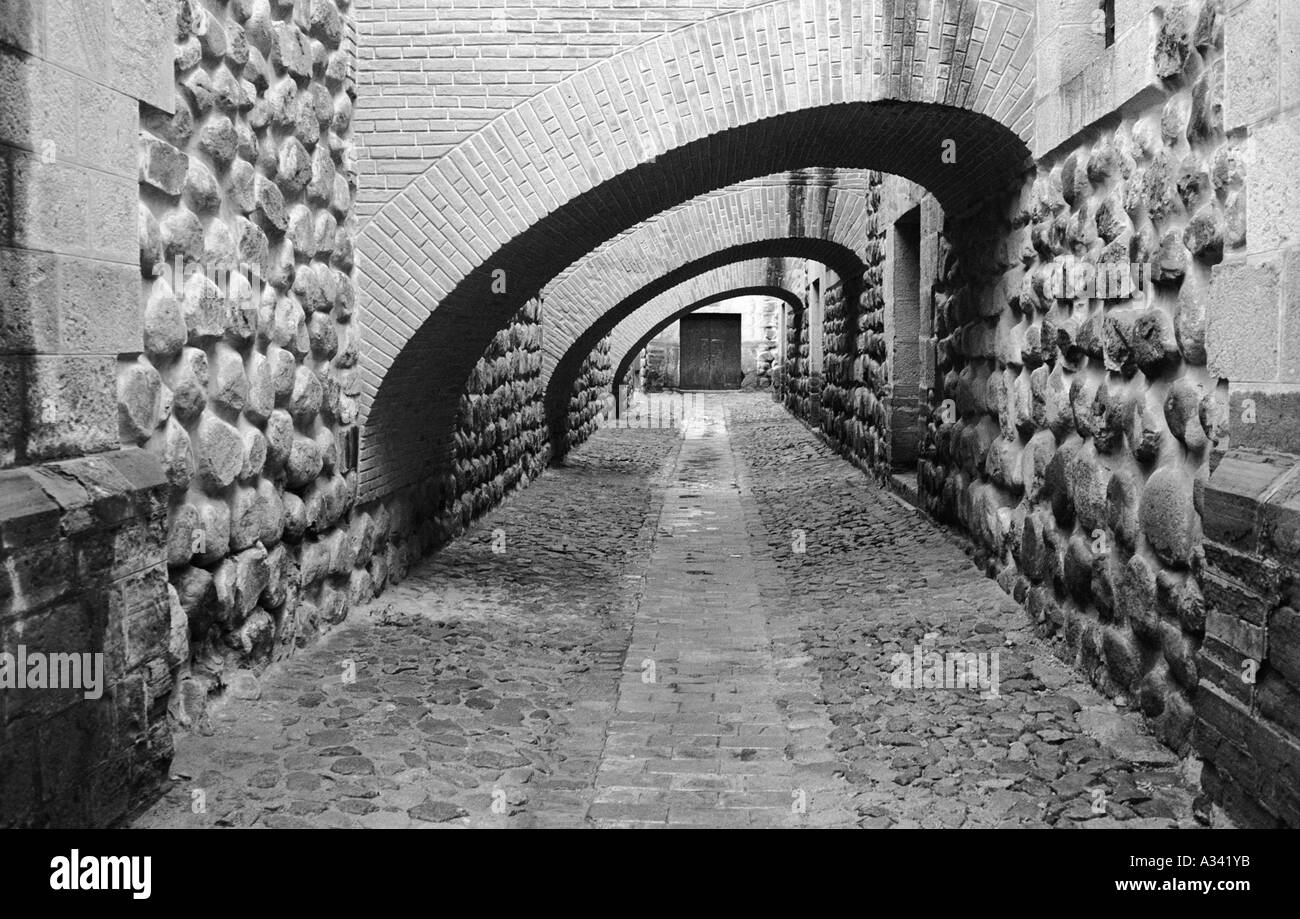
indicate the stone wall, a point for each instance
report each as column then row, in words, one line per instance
column 499, row 446
column 795, row 379
column 661, row 365
column 767, row 350
column 857, row 375
column 80, row 539
column 73, row 75
column 84, row 574
column 1077, row 416
column 587, row 400
column 1080, row 327
column 500, row 440
column 1248, row 703
column 244, row 381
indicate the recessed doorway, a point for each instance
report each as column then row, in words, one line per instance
column 710, row 355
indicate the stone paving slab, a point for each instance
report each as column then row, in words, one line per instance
column 714, row 751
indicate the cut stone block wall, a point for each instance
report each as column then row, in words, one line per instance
column 84, row 574
column 80, row 539
column 1248, row 703
column 73, row 76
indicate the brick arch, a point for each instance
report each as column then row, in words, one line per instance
column 839, row 259
column 830, row 205
column 632, row 335
column 786, row 85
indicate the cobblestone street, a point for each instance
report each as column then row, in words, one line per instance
column 680, row 630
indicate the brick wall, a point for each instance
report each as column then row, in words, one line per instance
column 434, row 74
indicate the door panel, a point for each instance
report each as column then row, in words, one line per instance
column 710, row 355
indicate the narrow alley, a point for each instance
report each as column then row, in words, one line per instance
column 700, row 625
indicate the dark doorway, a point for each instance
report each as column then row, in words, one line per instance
column 710, row 356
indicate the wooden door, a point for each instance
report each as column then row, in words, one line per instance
column 710, row 355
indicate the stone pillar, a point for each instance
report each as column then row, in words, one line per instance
column 76, row 72
column 816, row 316
column 904, row 330
column 82, row 523
column 1253, row 310
column 1247, row 728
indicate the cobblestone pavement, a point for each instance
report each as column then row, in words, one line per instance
column 875, row 579
column 483, row 682
column 658, row 646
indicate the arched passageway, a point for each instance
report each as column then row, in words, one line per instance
column 418, row 324
column 677, row 284
column 632, row 335
column 1032, row 274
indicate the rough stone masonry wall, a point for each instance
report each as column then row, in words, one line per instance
column 587, row 396
column 766, row 355
column 1072, row 436
column 661, row 363
column 1074, row 432
column 862, row 408
column 795, row 378
column 499, row 445
column 500, row 438
column 245, row 380
column 839, row 324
